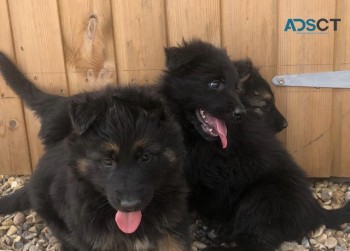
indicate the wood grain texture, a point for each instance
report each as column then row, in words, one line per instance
column 87, row 30
column 249, row 30
column 187, row 19
column 14, row 149
column 341, row 97
column 308, row 136
column 139, row 31
column 38, row 46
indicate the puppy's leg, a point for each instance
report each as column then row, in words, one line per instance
column 273, row 212
column 246, row 243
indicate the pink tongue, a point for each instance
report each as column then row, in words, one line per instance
column 221, row 128
column 128, row 222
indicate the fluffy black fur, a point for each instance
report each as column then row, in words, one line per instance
column 125, row 152
column 253, row 187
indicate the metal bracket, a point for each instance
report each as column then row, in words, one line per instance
column 334, row 79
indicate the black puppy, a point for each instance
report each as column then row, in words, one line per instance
column 200, row 75
column 116, row 182
column 256, row 95
column 239, row 173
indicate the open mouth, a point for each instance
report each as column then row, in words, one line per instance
column 212, row 126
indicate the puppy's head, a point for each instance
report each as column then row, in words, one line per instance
column 127, row 147
column 257, row 96
column 202, row 81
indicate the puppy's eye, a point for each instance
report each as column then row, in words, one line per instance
column 107, row 162
column 265, row 107
column 146, row 157
column 216, row 84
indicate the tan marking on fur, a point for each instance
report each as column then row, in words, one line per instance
column 170, row 155
column 142, row 245
column 241, row 83
column 258, row 111
column 111, row 147
column 83, row 165
column 244, row 78
column 140, row 143
column 170, row 243
column 256, row 101
column 266, row 96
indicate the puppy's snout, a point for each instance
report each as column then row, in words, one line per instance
column 130, row 204
column 239, row 113
column 284, row 124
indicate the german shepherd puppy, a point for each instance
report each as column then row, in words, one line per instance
column 116, row 181
column 239, row 173
column 257, row 96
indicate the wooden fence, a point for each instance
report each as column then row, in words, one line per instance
column 69, row 46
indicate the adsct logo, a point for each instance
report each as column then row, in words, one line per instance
column 311, row 26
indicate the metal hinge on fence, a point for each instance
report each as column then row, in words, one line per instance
column 334, row 79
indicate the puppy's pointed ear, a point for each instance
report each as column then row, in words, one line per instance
column 244, row 68
column 84, row 110
column 177, row 58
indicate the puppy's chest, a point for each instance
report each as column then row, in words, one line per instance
column 220, row 172
column 217, row 166
column 115, row 241
column 118, row 242
column 137, row 244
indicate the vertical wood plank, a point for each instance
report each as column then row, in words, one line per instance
column 14, row 149
column 139, row 30
column 308, row 136
column 187, row 19
column 87, row 31
column 341, row 97
column 39, row 52
column 249, row 30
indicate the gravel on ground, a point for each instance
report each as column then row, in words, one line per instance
column 25, row 231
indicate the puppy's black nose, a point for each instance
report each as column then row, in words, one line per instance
column 239, row 113
column 130, row 205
